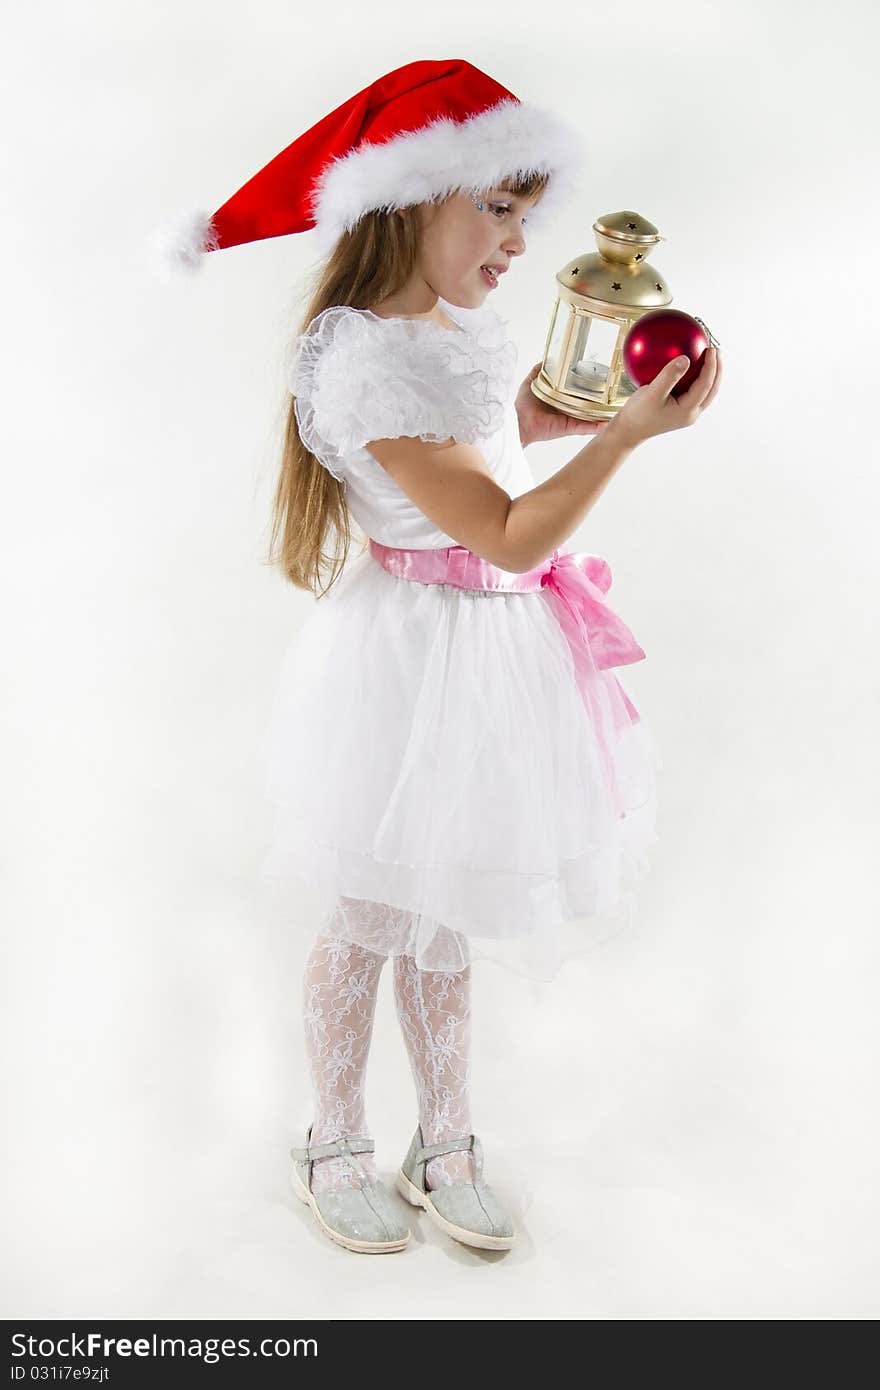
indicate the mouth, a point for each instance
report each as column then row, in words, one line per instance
column 490, row 276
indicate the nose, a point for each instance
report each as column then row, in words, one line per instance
column 515, row 244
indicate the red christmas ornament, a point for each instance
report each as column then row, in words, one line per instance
column 659, row 337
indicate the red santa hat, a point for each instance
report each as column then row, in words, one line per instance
column 416, row 135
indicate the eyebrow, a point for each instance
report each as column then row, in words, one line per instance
column 502, row 188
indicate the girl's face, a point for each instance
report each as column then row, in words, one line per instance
column 457, row 239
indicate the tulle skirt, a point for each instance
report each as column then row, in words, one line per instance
column 439, row 787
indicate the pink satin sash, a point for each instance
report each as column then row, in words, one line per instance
column 575, row 584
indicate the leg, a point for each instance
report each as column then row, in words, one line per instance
column 433, row 1008
column 339, row 998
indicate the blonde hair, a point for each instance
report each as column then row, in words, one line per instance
column 311, row 523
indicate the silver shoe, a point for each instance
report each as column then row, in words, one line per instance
column 467, row 1211
column 364, row 1219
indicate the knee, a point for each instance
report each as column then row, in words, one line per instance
column 341, row 950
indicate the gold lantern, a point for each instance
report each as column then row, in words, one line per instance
column 599, row 297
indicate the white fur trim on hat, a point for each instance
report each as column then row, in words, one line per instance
column 179, row 244
column 444, row 157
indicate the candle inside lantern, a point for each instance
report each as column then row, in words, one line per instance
column 591, row 374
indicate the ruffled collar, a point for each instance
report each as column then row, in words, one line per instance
column 358, row 376
column 483, row 325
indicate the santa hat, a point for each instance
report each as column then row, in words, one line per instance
column 416, row 135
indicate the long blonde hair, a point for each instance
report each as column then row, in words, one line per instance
column 309, row 512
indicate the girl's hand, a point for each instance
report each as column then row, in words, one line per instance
column 652, row 410
column 539, row 422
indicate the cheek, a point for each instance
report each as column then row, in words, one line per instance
column 480, row 248
column 463, row 244
column 460, row 258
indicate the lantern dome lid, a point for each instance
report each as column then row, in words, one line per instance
column 619, row 273
column 628, row 228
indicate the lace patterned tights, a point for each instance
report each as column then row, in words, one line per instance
column 340, row 983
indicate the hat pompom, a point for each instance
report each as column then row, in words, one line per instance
column 180, row 243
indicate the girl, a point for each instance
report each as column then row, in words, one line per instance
column 458, row 770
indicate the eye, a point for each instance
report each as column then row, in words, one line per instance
column 504, row 208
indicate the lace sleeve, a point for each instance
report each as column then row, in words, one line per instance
column 355, row 377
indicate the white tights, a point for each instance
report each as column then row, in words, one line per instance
column 433, row 1008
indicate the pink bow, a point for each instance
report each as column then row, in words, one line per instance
column 577, row 583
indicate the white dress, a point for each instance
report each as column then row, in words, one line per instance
column 437, row 780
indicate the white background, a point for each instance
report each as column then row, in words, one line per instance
column 684, row 1123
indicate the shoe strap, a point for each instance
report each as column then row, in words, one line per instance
column 448, row 1146
column 338, row 1148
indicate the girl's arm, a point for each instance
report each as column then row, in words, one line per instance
column 452, row 485
column 541, row 520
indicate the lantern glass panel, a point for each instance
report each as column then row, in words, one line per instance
column 595, row 340
column 625, row 385
column 557, row 339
